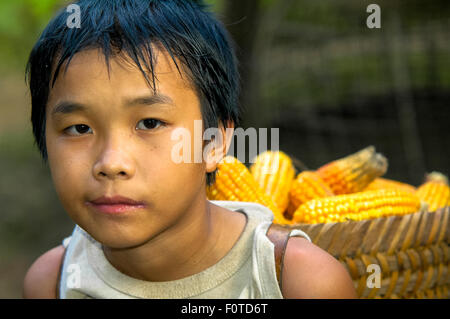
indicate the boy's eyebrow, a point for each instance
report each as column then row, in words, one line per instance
column 158, row 98
column 66, row 107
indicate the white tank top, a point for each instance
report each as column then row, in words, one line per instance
column 246, row 271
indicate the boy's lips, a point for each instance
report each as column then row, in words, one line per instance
column 115, row 204
column 117, row 199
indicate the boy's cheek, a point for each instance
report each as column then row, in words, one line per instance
column 69, row 184
column 179, row 179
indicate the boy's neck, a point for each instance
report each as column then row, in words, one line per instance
column 183, row 250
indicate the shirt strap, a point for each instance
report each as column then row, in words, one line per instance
column 279, row 236
column 58, row 281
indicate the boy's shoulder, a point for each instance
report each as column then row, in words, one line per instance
column 311, row 272
column 41, row 279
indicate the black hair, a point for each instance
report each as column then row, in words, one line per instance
column 187, row 29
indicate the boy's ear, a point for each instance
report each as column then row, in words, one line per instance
column 219, row 145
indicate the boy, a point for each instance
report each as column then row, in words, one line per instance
column 106, row 100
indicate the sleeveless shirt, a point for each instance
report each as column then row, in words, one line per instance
column 247, row 271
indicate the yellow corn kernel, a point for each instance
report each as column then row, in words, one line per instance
column 306, row 186
column 353, row 173
column 359, row 206
column 435, row 191
column 380, row 183
column 235, row 182
column 274, row 172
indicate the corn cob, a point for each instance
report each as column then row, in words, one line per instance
column 384, row 183
column 307, row 185
column 435, row 191
column 357, row 206
column 234, row 182
column 274, row 173
column 353, row 173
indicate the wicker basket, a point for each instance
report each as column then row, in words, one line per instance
column 412, row 252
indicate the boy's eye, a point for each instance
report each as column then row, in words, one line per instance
column 78, row 129
column 149, row 124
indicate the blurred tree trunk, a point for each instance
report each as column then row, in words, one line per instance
column 253, row 27
column 405, row 102
column 242, row 22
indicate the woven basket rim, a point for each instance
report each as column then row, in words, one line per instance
column 412, row 252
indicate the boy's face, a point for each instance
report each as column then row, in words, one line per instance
column 117, row 141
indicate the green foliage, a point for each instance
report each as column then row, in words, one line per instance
column 216, row 5
column 21, row 22
column 42, row 8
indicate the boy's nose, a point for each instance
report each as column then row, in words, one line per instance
column 113, row 164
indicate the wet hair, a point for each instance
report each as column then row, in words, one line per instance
column 186, row 29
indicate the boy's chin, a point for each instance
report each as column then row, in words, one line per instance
column 121, row 240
